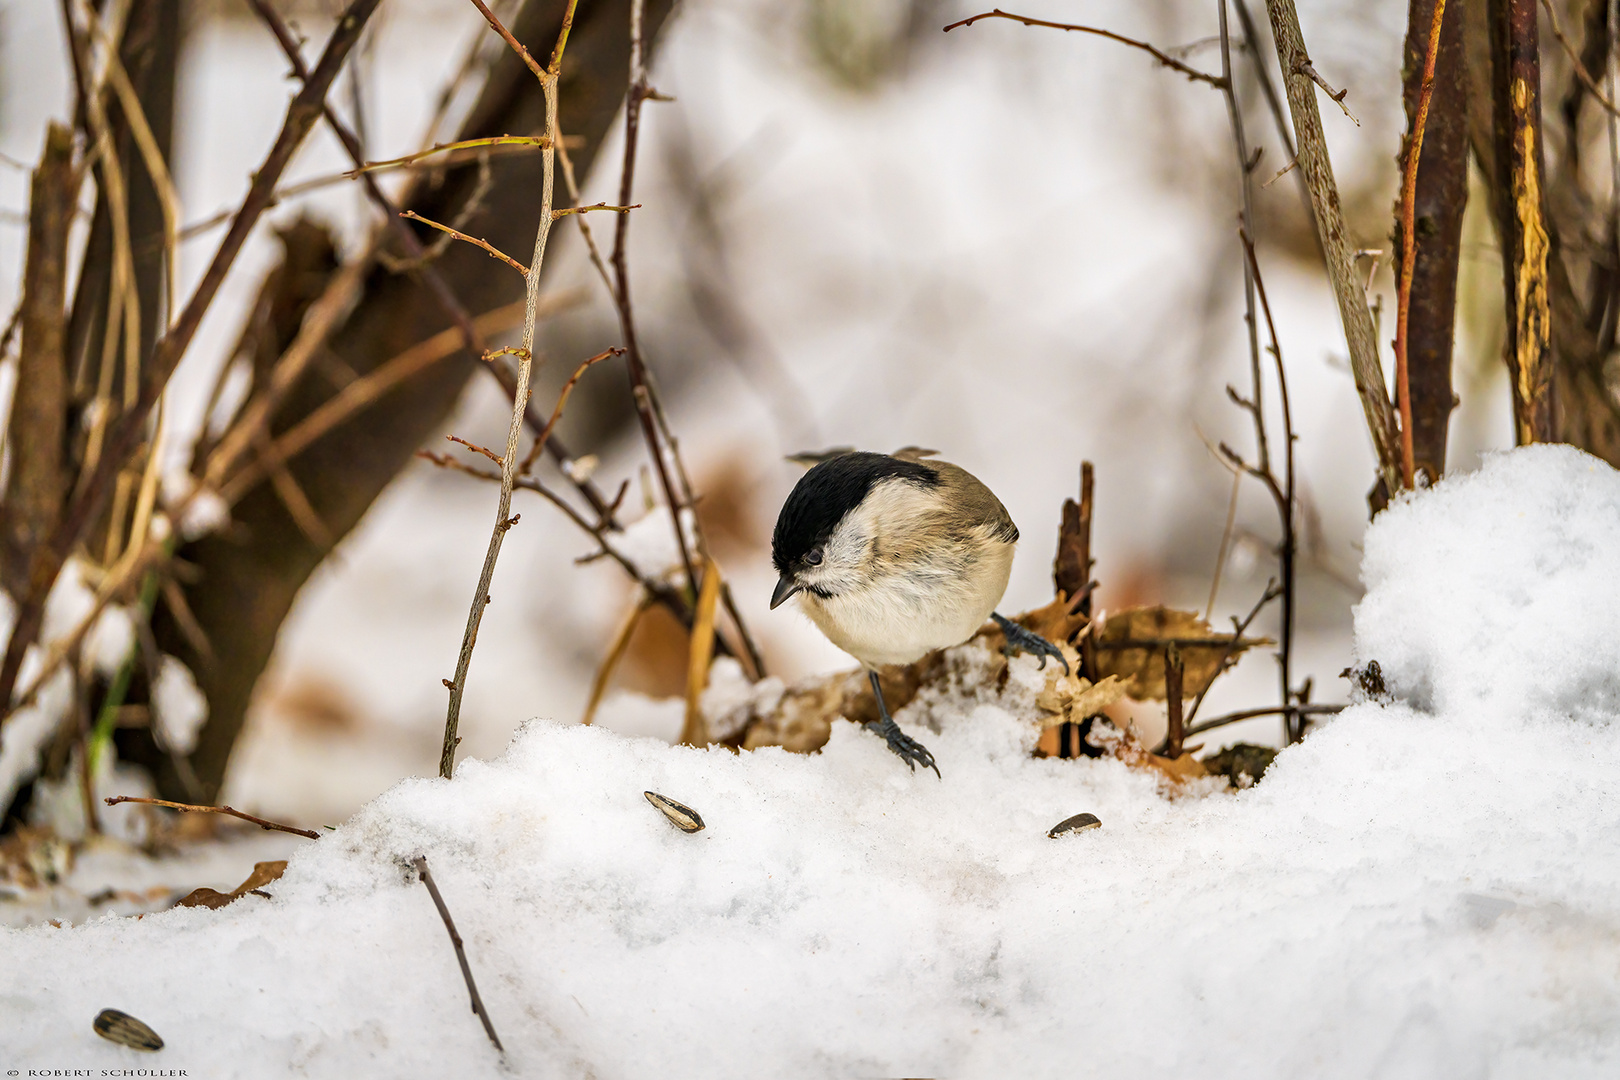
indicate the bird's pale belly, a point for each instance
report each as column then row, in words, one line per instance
column 903, row 618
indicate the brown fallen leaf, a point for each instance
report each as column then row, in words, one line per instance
column 1072, row 698
column 1131, row 645
column 263, row 874
column 1124, row 745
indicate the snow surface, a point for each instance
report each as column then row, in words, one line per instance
column 1427, row 887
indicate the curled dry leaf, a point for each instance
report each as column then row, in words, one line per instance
column 1132, row 643
column 263, row 874
column 1072, row 698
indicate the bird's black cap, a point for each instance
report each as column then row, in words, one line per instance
column 829, row 491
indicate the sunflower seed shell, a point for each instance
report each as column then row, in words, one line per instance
column 1075, row 824
column 682, row 817
column 124, row 1029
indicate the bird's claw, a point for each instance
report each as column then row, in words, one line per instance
column 912, row 752
column 1020, row 639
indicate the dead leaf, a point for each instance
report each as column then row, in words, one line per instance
column 1125, row 746
column 1132, row 642
column 263, row 874
column 1070, row 699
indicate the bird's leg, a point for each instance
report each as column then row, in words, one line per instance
column 1022, row 640
column 912, row 752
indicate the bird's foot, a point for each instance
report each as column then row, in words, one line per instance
column 912, row 752
column 1021, row 640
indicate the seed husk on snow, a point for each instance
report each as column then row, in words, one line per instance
column 1075, row 824
column 124, row 1029
column 681, row 816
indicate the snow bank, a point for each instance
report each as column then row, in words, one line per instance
column 1429, row 887
column 1499, row 592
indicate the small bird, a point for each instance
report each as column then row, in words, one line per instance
column 892, row 557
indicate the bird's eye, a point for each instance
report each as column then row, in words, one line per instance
column 813, row 559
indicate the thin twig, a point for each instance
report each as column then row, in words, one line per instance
column 1336, row 96
column 1240, row 146
column 645, row 392
column 1174, row 734
column 412, row 215
column 1288, row 548
column 1239, row 627
column 114, row 800
column 565, row 211
column 517, row 46
column 520, row 399
column 420, row 862
column 562, row 400
column 1158, row 54
column 1250, row 714
column 1268, row 90
column 640, row 391
column 1581, row 73
column 444, row 148
column 1403, row 304
column 659, row 590
column 475, row 448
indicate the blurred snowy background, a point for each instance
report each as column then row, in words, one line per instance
column 1013, row 245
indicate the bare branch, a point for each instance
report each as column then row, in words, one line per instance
column 473, row 240
column 1403, row 308
column 520, row 397
column 443, row 148
column 114, row 800
column 1158, row 54
column 420, row 862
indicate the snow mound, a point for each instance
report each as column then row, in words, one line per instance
column 1499, row 591
column 1427, row 891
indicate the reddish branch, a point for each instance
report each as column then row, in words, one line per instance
column 1439, row 197
column 562, row 401
column 1158, row 54
column 1414, row 152
column 412, row 215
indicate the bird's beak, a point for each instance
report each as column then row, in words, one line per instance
column 785, row 587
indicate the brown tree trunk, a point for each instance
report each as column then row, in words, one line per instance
column 249, row 576
column 1442, row 195
column 36, row 483
column 1522, row 215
